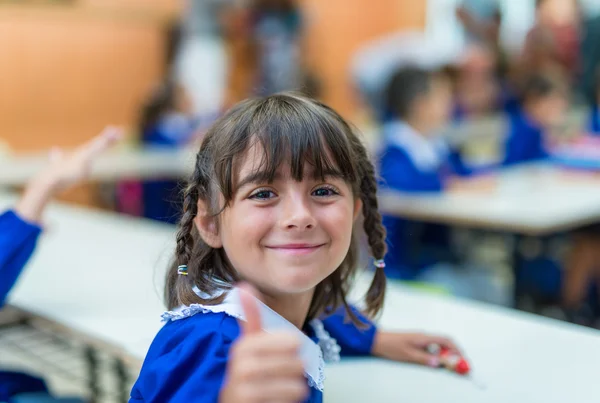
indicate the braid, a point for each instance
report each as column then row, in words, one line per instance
column 373, row 227
column 184, row 240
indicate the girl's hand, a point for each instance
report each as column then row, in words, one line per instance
column 410, row 347
column 263, row 367
column 64, row 171
column 69, row 168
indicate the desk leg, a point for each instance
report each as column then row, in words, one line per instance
column 517, row 264
column 91, row 359
column 122, row 379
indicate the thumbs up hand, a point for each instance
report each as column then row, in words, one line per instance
column 263, row 367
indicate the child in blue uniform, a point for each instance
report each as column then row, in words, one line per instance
column 543, row 107
column 416, row 159
column 594, row 120
column 20, row 229
column 278, row 185
column 167, row 122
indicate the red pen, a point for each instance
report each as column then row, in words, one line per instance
column 453, row 361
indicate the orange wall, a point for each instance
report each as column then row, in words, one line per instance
column 336, row 30
column 66, row 71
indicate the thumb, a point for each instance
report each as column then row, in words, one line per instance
column 248, row 299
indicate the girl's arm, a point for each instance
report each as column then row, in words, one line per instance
column 19, row 229
column 396, row 346
column 17, row 242
column 64, row 171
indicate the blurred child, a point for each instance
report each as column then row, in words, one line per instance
column 477, row 84
column 167, row 122
column 21, row 227
column 416, row 159
column 594, row 122
column 542, row 109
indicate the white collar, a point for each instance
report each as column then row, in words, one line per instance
column 312, row 354
column 428, row 154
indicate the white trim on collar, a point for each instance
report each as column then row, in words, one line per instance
column 427, row 154
column 311, row 354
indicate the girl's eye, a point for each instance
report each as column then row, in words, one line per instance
column 325, row 192
column 262, row 194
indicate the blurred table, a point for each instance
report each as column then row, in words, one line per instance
column 515, row 356
column 16, row 170
column 535, row 199
column 98, row 277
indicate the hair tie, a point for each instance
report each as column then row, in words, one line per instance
column 379, row 263
column 182, row 270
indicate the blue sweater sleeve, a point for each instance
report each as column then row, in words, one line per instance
column 458, row 165
column 17, row 243
column 187, row 361
column 353, row 340
column 524, row 143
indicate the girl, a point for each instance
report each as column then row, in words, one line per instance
column 20, row 229
column 278, row 185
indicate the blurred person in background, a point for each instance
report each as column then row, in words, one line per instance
column 554, row 40
column 416, row 159
column 20, row 229
column 481, row 20
column 267, row 49
column 478, row 89
column 200, row 56
column 590, row 54
column 167, row 122
column 593, row 126
column 544, row 103
column 542, row 109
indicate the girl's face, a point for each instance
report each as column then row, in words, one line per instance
column 287, row 236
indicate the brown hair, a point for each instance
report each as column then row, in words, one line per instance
column 290, row 129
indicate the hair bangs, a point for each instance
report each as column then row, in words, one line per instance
column 295, row 131
column 284, row 129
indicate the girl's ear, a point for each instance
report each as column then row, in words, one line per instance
column 357, row 207
column 206, row 225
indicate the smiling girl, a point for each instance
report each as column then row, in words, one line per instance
column 278, row 186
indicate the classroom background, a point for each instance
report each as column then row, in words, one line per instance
column 483, row 117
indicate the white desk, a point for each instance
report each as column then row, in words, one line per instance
column 517, row 356
column 16, row 170
column 101, row 275
column 530, row 200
